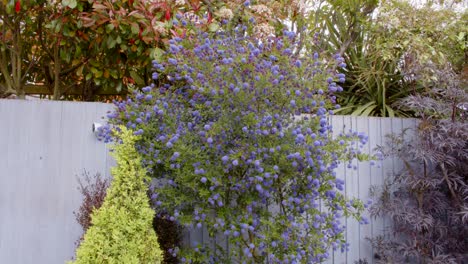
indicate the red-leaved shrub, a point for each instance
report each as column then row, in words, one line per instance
column 93, row 188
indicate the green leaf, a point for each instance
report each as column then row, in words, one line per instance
column 96, row 72
column 368, row 110
column 390, row 111
column 135, row 28
column 66, row 56
column 78, row 51
column 58, row 27
column 139, row 81
column 109, row 28
column 156, row 54
column 66, row 31
column 72, row 4
column 110, row 42
column 79, row 71
column 119, row 87
column 137, row 15
column 114, row 74
column 362, row 108
column 69, row 3
column 88, row 76
column 213, row 27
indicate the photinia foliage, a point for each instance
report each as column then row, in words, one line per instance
column 237, row 138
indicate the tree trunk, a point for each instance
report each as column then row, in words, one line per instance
column 57, row 92
column 20, row 94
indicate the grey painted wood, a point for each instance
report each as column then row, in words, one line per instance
column 338, row 126
column 376, row 170
column 45, row 145
column 352, row 191
column 387, row 168
column 364, row 181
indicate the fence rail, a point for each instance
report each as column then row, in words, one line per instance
column 45, row 145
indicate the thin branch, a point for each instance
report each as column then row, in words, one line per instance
column 68, row 88
column 4, row 69
column 41, row 36
column 71, row 69
column 31, row 64
column 5, row 17
column 446, row 178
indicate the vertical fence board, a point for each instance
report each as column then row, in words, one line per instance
column 5, row 116
column 376, row 171
column 337, row 123
column 4, row 122
column 387, row 165
column 364, row 181
column 100, row 117
column 397, row 165
column 397, row 127
column 73, row 147
column 352, row 191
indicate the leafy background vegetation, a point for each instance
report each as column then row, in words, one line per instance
column 78, row 50
column 401, row 58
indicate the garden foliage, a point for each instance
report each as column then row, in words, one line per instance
column 427, row 200
column 121, row 230
column 383, row 42
column 231, row 152
column 169, row 234
column 83, row 47
column 93, row 190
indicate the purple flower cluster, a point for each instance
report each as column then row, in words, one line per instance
column 223, row 139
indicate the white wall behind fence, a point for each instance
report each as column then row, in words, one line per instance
column 45, row 145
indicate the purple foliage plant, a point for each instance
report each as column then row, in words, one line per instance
column 428, row 200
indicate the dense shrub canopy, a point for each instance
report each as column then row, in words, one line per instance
column 121, row 230
column 225, row 142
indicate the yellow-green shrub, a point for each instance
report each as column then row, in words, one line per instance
column 121, row 230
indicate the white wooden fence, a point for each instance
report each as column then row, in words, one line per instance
column 45, row 145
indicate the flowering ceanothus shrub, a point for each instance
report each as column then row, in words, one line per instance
column 221, row 134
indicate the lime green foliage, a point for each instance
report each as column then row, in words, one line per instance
column 121, row 230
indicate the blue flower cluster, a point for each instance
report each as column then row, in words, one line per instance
column 238, row 141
